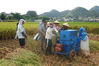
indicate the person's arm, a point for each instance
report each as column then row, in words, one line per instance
column 23, row 34
column 39, row 26
column 42, row 30
column 16, row 36
column 55, row 31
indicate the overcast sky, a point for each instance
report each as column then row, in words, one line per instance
column 41, row 6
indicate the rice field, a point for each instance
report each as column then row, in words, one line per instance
column 91, row 27
column 8, row 29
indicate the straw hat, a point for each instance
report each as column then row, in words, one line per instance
column 56, row 22
column 66, row 24
column 48, row 23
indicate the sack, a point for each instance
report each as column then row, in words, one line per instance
column 84, row 46
column 36, row 37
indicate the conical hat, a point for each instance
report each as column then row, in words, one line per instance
column 66, row 24
column 57, row 22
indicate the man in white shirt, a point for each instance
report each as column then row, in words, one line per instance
column 49, row 34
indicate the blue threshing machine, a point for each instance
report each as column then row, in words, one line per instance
column 71, row 41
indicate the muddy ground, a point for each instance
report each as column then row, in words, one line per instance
column 7, row 46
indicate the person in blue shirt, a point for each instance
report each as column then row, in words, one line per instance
column 42, row 32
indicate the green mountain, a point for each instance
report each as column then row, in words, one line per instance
column 52, row 13
column 55, row 13
column 94, row 11
column 77, row 12
column 95, row 8
column 64, row 13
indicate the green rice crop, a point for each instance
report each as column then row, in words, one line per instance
column 8, row 29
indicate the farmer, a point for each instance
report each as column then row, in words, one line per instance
column 36, row 37
column 57, row 28
column 65, row 26
column 21, row 33
column 49, row 34
column 56, row 25
column 42, row 32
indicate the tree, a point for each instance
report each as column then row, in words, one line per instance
column 10, row 17
column 17, row 16
column 31, row 14
column 3, row 16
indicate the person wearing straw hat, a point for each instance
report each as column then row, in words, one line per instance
column 48, row 24
column 57, row 28
column 56, row 25
column 65, row 26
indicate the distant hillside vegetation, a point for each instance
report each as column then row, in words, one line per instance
column 76, row 12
